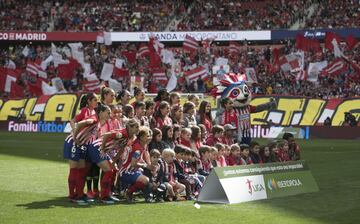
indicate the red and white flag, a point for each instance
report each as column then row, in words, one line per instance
column 206, row 44
column 314, row 69
column 351, row 42
column 143, row 51
column 91, row 83
column 234, row 48
column 160, row 75
column 194, row 74
column 290, row 62
column 8, row 78
column 301, row 75
column 35, row 69
column 190, row 44
column 329, row 37
column 337, row 67
column 155, row 44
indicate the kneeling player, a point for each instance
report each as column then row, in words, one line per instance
column 132, row 168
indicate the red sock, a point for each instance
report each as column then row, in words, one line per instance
column 113, row 177
column 80, row 182
column 138, row 185
column 105, row 184
column 72, row 179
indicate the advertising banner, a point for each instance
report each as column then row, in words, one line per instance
column 237, row 184
column 313, row 33
column 47, row 36
column 41, row 126
column 200, row 35
column 290, row 111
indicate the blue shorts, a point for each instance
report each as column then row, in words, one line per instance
column 128, row 178
column 73, row 152
column 93, row 154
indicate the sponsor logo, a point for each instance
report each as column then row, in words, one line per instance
column 23, row 36
column 272, row 184
column 142, row 36
column 314, row 34
column 22, row 127
column 252, row 188
column 41, row 126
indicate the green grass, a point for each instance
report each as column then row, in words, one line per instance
column 33, row 188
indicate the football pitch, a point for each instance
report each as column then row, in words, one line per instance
column 33, row 189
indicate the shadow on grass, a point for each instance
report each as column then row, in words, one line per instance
column 65, row 203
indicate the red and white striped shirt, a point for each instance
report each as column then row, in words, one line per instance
column 89, row 133
column 84, row 113
column 161, row 122
column 111, row 142
column 243, row 117
column 132, row 150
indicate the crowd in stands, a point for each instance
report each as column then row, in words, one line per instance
column 108, row 15
column 335, row 14
column 244, row 15
column 144, row 15
column 271, row 79
column 159, row 146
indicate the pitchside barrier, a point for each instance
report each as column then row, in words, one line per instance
column 236, row 184
column 290, row 111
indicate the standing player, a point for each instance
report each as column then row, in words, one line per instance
column 107, row 96
column 74, row 153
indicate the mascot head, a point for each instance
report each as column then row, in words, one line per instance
column 233, row 86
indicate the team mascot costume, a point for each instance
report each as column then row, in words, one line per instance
column 234, row 87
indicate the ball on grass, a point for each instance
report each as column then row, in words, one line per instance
column 197, row 206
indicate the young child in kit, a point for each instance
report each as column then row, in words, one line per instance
column 235, row 155
column 213, row 156
column 196, row 180
column 255, row 152
column 283, row 150
column 245, row 151
column 217, row 134
column 220, row 160
column 203, row 165
column 174, row 188
column 180, row 165
column 156, row 184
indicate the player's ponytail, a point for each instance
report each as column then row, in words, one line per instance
column 100, row 108
column 136, row 90
column 104, row 91
column 85, row 99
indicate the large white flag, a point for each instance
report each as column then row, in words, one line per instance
column 107, row 71
column 44, row 64
column 47, row 89
column 314, row 70
column 171, row 85
column 115, row 85
column 221, row 61
column 167, row 56
column 77, row 52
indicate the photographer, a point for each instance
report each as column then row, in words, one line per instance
column 350, row 119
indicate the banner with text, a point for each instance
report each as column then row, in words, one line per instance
column 198, row 35
column 47, row 36
column 238, row 184
column 290, row 111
